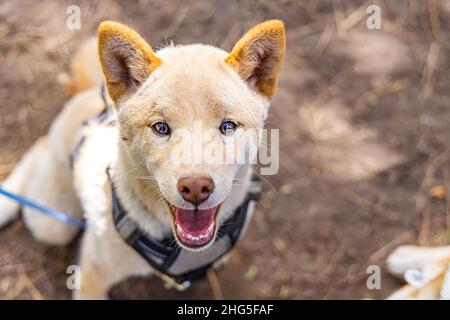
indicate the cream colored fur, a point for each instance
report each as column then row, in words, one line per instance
column 180, row 85
column 431, row 265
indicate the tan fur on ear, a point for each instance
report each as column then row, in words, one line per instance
column 258, row 55
column 127, row 60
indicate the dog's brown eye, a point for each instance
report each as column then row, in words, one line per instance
column 227, row 127
column 161, row 128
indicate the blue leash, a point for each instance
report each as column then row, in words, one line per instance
column 44, row 210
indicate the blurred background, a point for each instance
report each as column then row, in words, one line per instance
column 364, row 127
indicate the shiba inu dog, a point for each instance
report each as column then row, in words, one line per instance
column 145, row 213
column 426, row 269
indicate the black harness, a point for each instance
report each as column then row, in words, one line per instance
column 173, row 263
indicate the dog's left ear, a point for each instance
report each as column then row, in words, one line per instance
column 127, row 60
column 258, row 55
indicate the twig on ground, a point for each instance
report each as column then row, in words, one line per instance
column 384, row 250
column 177, row 21
column 355, row 17
column 232, row 35
column 422, row 199
column 215, row 284
column 35, row 293
column 305, row 30
column 429, row 71
column 446, row 173
column 324, row 39
column 377, row 256
column 339, row 17
column 362, row 202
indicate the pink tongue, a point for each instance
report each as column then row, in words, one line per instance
column 195, row 221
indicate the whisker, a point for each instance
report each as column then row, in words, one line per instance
column 265, row 180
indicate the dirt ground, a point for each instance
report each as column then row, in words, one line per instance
column 364, row 139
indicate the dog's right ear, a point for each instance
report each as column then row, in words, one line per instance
column 258, row 55
column 127, row 60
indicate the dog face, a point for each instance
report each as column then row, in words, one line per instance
column 184, row 110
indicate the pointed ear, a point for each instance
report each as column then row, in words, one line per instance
column 127, row 60
column 258, row 55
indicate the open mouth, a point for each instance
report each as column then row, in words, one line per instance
column 195, row 228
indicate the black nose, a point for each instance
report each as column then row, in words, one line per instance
column 195, row 189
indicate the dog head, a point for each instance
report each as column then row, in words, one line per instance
column 180, row 109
